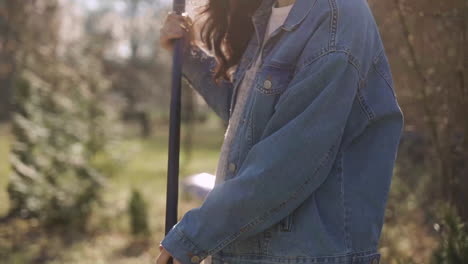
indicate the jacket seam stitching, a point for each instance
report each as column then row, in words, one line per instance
column 186, row 239
column 364, row 105
column 333, row 22
column 326, row 51
column 266, row 241
column 323, row 53
column 292, row 27
column 384, row 77
column 382, row 74
column 362, row 101
column 345, row 210
column 362, row 83
column 370, row 253
column 355, row 63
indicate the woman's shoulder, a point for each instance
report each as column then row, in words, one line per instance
column 346, row 26
column 343, row 14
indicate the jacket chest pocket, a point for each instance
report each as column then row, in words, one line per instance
column 273, row 80
column 269, row 84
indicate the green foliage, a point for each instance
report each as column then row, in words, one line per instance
column 60, row 129
column 453, row 247
column 138, row 211
column 405, row 261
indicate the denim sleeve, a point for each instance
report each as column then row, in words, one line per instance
column 197, row 71
column 292, row 159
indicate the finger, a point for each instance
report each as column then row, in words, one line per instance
column 181, row 19
column 163, row 257
column 174, row 23
column 184, row 26
column 188, row 20
column 172, row 32
column 175, row 16
column 174, row 35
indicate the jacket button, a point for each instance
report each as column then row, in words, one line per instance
column 195, row 259
column 267, row 84
column 232, row 167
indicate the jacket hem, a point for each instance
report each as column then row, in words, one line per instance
column 369, row 257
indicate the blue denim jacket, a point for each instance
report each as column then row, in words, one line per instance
column 311, row 166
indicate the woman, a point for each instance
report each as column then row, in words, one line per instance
column 314, row 127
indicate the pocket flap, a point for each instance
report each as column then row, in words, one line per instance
column 272, row 79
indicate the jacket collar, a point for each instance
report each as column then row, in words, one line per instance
column 298, row 12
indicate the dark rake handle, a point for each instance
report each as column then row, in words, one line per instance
column 174, row 130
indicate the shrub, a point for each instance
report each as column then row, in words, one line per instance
column 60, row 127
column 138, row 211
column 453, row 248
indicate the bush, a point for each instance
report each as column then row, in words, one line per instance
column 59, row 130
column 138, row 211
column 453, row 248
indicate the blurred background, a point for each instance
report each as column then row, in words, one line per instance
column 84, row 91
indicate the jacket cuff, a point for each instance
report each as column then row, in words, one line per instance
column 182, row 248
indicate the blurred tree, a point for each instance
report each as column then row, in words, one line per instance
column 138, row 68
column 427, row 47
column 62, row 124
column 442, row 90
column 11, row 24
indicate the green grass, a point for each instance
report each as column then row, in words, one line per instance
column 145, row 169
column 142, row 165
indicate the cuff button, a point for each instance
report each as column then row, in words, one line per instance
column 267, row 84
column 195, row 259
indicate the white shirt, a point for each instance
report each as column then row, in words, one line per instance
column 277, row 18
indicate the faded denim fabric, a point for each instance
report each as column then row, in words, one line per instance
column 311, row 166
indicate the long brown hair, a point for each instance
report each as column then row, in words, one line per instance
column 226, row 30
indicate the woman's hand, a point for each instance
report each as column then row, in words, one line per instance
column 175, row 27
column 164, row 257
